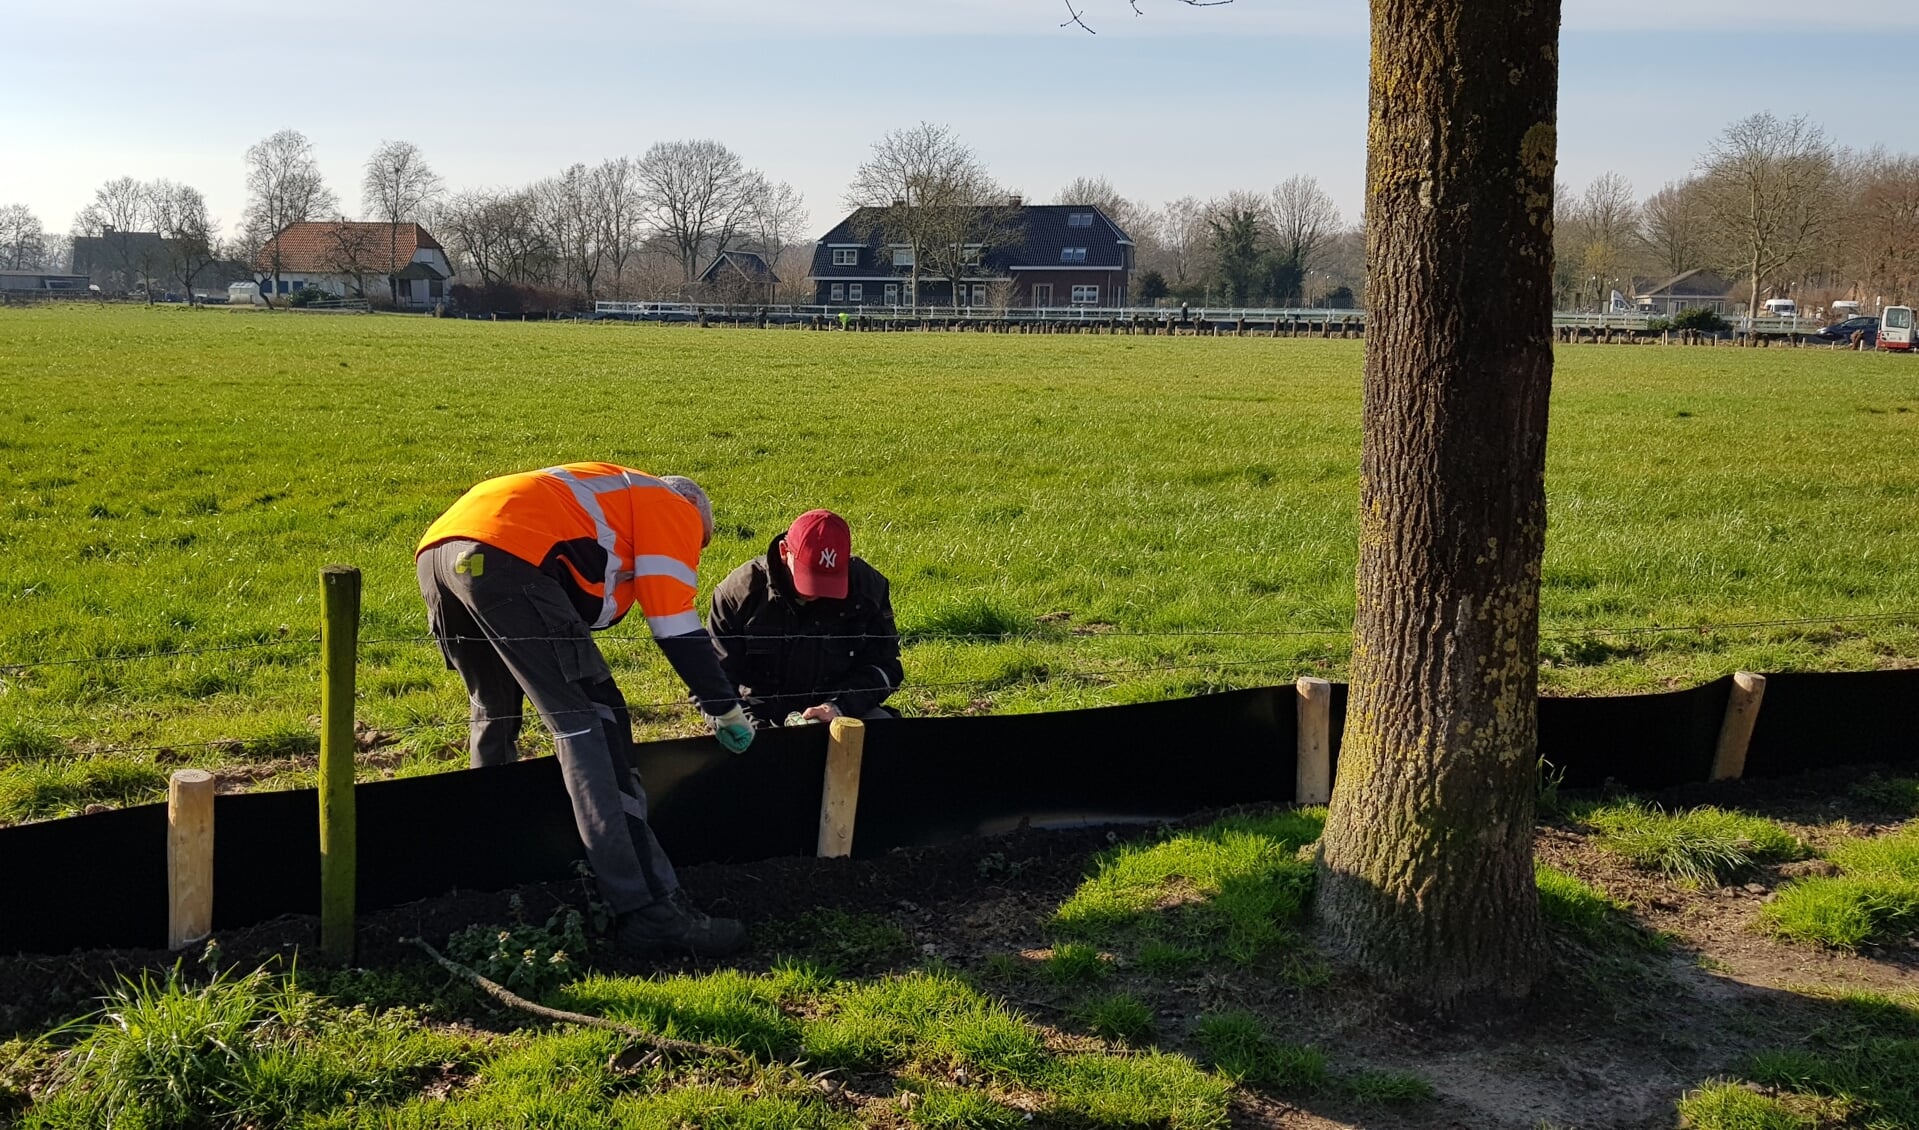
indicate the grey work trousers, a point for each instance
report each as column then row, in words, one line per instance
column 510, row 629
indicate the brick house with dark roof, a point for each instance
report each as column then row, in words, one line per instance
column 352, row 259
column 1054, row 255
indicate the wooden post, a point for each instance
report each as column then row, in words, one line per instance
column 339, row 647
column 189, row 857
column 840, row 801
column 1735, row 733
column 1313, row 780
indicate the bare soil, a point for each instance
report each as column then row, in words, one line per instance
column 1608, row 1041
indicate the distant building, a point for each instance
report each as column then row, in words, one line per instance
column 16, row 283
column 1692, row 290
column 1044, row 255
column 352, row 259
column 739, row 276
column 129, row 262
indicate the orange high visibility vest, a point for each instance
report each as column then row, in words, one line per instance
column 612, row 534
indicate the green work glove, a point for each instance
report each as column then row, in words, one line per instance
column 734, row 729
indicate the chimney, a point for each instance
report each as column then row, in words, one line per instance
column 899, row 202
column 1014, row 201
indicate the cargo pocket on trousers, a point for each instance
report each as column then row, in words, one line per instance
column 578, row 656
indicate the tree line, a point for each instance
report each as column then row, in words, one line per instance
column 1771, row 204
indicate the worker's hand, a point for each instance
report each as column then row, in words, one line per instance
column 824, row 712
column 734, row 729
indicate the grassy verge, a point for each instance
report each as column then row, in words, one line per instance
column 1696, row 846
column 1874, row 898
column 258, row 1050
column 170, row 481
column 1236, row 888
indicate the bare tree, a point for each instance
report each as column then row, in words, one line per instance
column 568, row 210
column 284, row 187
column 615, row 185
column 1602, row 232
column 22, row 238
column 1672, row 228
column 1303, row 219
column 496, row 233
column 1882, row 243
column 1426, row 865
column 776, row 216
column 187, row 229
column 120, row 217
column 399, row 186
column 915, row 186
column 694, row 194
column 1181, row 253
column 1767, row 187
column 356, row 251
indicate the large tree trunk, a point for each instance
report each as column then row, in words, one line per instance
column 1427, row 875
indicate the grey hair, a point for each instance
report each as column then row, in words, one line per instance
column 688, row 489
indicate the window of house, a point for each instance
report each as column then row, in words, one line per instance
column 1042, row 294
column 435, row 288
column 1072, row 255
column 1086, row 296
column 846, row 256
column 970, row 254
column 854, row 292
column 892, row 294
column 902, row 256
column 839, row 292
column 979, row 294
column 1079, row 220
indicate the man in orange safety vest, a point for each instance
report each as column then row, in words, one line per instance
column 517, row 575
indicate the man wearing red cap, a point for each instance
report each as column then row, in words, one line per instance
column 808, row 628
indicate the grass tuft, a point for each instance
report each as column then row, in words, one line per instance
column 1388, row 1087
column 972, row 617
column 40, row 790
column 1120, row 1017
column 1698, row 846
column 922, row 1018
column 1149, row 1090
column 723, row 1007
column 939, row 1107
column 1730, row 1106
column 1074, row 963
column 1894, row 794
column 1238, row 1045
column 1235, row 888
column 1875, row 898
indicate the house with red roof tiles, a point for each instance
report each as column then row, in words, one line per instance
column 355, row 259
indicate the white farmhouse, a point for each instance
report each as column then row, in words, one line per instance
column 352, row 259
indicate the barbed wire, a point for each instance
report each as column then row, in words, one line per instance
column 910, row 637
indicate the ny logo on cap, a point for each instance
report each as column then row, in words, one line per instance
column 829, row 559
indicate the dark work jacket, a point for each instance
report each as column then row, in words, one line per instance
column 789, row 656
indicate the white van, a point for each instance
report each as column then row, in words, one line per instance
column 1896, row 329
column 1781, row 308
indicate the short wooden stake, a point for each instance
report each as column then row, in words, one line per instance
column 840, row 800
column 189, row 857
column 1735, row 733
column 1313, row 782
column 339, row 857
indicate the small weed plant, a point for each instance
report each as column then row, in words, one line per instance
column 530, row 960
column 1697, row 846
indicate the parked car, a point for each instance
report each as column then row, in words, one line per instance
column 1843, row 331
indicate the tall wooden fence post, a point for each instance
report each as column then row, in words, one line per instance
column 1313, row 781
column 1735, row 733
column 189, row 857
column 840, row 799
column 339, row 646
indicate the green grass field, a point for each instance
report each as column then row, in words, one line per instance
column 1128, row 518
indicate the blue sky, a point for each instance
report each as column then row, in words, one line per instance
column 1179, row 101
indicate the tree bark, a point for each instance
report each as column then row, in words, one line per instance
column 1426, row 868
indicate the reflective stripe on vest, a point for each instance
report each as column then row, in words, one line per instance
column 586, row 491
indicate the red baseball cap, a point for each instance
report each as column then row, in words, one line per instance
column 821, row 548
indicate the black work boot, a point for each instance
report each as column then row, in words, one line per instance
column 673, row 925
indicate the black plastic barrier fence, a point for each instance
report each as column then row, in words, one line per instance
column 99, row 881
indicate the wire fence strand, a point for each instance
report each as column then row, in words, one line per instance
column 1056, row 636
